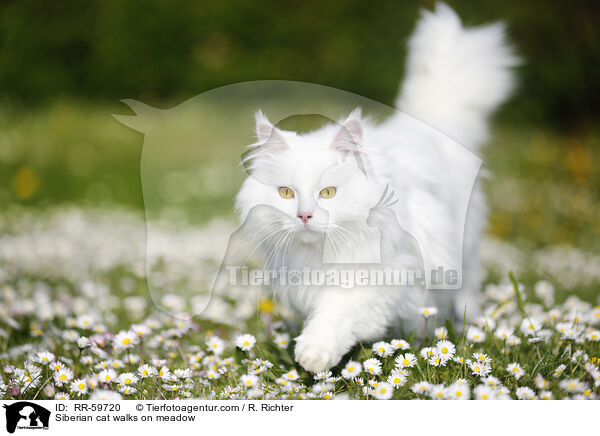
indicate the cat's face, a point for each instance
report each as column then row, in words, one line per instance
column 316, row 180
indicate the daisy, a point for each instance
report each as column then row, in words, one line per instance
column 184, row 373
column 458, row 391
column 125, row 339
column 437, row 392
column 245, row 342
column 127, row 378
column 437, row 360
column 327, row 395
column 427, row 352
column 215, row 344
column 525, row 393
column 351, row 370
column 372, row 366
column 480, row 357
column 323, row 375
column 282, row 340
column 407, row 360
column 107, row 375
column 397, row 378
column 559, row 370
column 481, row 369
column 383, row 349
column 45, row 358
column 541, row 382
column 400, row 344
column 530, row 326
column 384, row 391
column 483, row 392
column 421, row 387
column 572, row 385
column 545, row 395
column 491, row 381
column 441, row 332
column 83, row 342
column 475, row 334
column 129, row 390
column 427, row 312
column 504, row 332
column 63, row 376
column 516, row 370
column 62, row 396
column 248, row 380
column 291, row 375
column 593, row 335
column 513, row 340
column 79, row 386
column 446, row 349
column 146, row 371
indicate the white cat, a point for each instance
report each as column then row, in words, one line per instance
column 332, row 191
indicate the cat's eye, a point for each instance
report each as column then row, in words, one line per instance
column 328, row 192
column 286, row 192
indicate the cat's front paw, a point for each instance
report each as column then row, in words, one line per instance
column 314, row 354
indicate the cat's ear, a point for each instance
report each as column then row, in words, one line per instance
column 350, row 135
column 267, row 134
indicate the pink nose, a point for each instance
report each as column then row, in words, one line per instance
column 304, row 216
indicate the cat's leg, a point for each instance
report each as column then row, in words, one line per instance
column 340, row 319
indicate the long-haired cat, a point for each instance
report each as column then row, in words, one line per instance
column 340, row 185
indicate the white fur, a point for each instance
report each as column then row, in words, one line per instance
column 455, row 78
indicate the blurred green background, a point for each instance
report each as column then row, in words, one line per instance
column 65, row 64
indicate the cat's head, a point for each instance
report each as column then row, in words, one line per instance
column 317, row 180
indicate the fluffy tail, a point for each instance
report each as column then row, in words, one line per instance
column 456, row 76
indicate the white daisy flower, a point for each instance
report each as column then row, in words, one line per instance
column 107, row 375
column 215, row 344
column 291, row 375
column 63, row 376
column 483, row 392
column 475, row 334
column 437, row 392
column 525, row 393
column 480, row 357
column 397, row 378
column 515, row 370
column 383, row 391
column 62, row 396
column 45, row 357
column 530, row 326
column 445, row 349
column 383, row 349
column 400, row 344
column 125, row 339
column 458, row 391
column 421, row 387
column 407, row 360
column 559, row 370
column 372, row 366
column 480, row 369
column 79, row 386
column 245, row 342
column 545, row 395
column 127, row 378
column 351, row 370
column 427, row 312
column 248, row 380
column 441, row 332
column 282, row 340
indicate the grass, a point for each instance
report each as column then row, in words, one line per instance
column 73, row 246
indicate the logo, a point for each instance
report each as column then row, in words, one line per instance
column 26, row 415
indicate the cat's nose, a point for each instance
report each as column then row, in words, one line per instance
column 304, row 216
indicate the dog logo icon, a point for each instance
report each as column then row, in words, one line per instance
column 26, row 415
